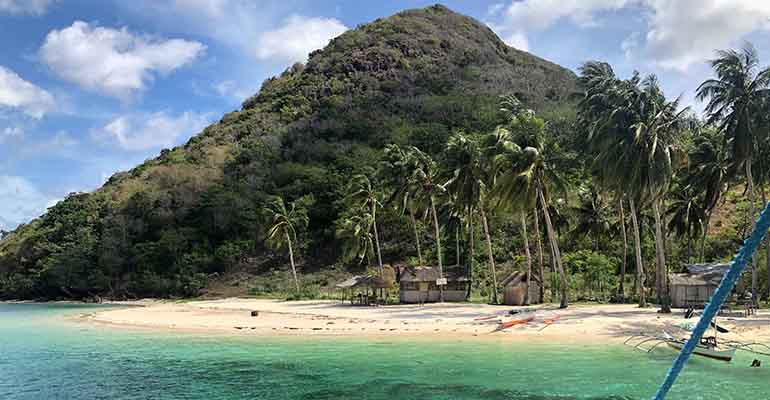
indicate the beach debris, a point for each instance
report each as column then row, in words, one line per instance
column 255, row 313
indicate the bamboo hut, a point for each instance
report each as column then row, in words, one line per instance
column 695, row 287
column 363, row 289
column 420, row 284
column 516, row 285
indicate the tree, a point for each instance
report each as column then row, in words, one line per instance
column 363, row 194
column 285, row 222
column 354, row 229
column 734, row 98
column 397, row 170
column 528, row 177
column 471, row 178
column 426, row 178
column 593, row 219
column 686, row 216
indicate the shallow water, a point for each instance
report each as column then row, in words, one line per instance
column 43, row 355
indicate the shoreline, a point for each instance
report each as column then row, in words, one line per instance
column 581, row 324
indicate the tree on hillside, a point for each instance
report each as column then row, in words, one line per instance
column 686, row 216
column 528, row 178
column 362, row 194
column 285, row 222
column 733, row 100
column 354, row 229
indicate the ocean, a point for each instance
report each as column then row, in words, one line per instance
column 45, row 354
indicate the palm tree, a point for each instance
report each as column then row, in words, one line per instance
column 426, row 178
column 526, row 181
column 734, row 99
column 708, row 175
column 686, row 216
column 363, row 194
column 592, row 216
column 355, row 231
column 469, row 183
column 284, row 226
column 398, row 171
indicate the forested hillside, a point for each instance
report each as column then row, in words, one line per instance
column 172, row 224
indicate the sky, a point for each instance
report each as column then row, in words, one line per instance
column 90, row 88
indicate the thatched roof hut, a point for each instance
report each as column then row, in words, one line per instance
column 695, row 287
column 516, row 285
column 421, row 284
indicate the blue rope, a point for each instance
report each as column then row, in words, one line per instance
column 750, row 246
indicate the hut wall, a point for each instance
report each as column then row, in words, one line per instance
column 513, row 295
column 424, row 292
column 683, row 296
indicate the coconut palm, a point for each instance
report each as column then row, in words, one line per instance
column 708, row 175
column 285, row 222
column 526, row 180
column 686, row 216
column 397, row 170
column 593, row 218
column 470, row 178
column 734, row 98
column 363, row 195
column 426, row 179
column 355, row 231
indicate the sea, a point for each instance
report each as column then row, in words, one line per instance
column 46, row 353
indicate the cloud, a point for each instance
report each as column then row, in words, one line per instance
column 297, row 37
column 34, row 7
column 22, row 201
column 152, row 131
column 10, row 132
column 517, row 40
column 113, row 62
column 686, row 32
column 16, row 93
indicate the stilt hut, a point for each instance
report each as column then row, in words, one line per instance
column 516, row 285
column 421, row 284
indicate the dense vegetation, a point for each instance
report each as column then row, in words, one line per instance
column 421, row 138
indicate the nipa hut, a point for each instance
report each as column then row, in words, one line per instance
column 515, row 287
column 420, row 284
column 694, row 288
column 363, row 289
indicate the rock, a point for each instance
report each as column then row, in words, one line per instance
column 255, row 313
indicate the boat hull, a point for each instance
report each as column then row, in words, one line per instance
column 722, row 355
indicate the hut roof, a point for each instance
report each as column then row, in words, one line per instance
column 694, row 279
column 708, row 269
column 514, row 278
column 364, row 281
column 430, row 274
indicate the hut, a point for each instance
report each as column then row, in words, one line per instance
column 695, row 287
column 420, row 284
column 515, row 286
column 363, row 289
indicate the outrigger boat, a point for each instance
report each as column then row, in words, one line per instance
column 708, row 347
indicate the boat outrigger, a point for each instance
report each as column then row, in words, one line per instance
column 723, row 350
column 708, row 347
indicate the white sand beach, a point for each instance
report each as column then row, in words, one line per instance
column 576, row 324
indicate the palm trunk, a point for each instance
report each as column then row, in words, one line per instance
column 622, row 289
column 416, row 237
column 555, row 246
column 472, row 254
column 377, row 239
column 291, row 260
column 529, row 256
column 661, row 278
column 490, row 254
column 705, row 235
column 457, row 245
column 638, row 253
column 438, row 246
column 539, row 240
column 752, row 218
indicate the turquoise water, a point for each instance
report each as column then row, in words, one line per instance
column 45, row 356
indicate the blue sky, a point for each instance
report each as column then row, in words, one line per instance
column 88, row 88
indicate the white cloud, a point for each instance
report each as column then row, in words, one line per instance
column 10, row 132
column 152, row 131
column 35, row 7
column 297, row 37
column 114, row 62
column 517, row 40
column 19, row 94
column 22, row 201
column 686, row 32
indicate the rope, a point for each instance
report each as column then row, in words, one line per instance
column 737, row 266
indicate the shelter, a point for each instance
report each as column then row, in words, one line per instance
column 694, row 288
column 420, row 284
column 515, row 286
column 357, row 288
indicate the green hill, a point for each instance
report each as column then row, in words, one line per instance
column 166, row 226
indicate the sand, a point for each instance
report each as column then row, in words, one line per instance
column 593, row 324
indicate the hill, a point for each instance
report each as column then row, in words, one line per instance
column 168, row 225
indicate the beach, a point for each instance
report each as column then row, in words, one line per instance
column 589, row 324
